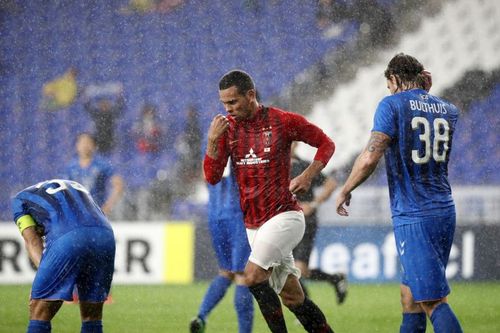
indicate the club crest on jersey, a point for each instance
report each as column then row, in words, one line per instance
column 268, row 135
column 251, row 159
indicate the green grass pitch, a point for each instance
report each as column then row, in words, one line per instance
column 169, row 308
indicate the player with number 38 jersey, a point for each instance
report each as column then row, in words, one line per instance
column 421, row 126
column 414, row 130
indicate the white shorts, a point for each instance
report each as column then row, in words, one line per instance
column 272, row 244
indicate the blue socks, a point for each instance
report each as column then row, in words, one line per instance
column 39, row 326
column 413, row 323
column 243, row 302
column 94, row 326
column 214, row 294
column 444, row 320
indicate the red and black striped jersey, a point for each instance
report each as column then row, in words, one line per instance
column 260, row 154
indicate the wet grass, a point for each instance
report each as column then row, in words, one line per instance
column 151, row 309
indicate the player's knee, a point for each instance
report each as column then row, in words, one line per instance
column 292, row 299
column 44, row 310
column 292, row 294
column 302, row 266
column 239, row 279
column 429, row 306
column 255, row 275
column 252, row 280
column 91, row 311
column 407, row 302
column 227, row 274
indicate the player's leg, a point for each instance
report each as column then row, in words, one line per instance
column 257, row 280
column 243, row 303
column 95, row 276
column 219, row 285
column 414, row 319
column 243, row 300
column 413, row 316
column 304, row 274
column 424, row 249
column 91, row 315
column 442, row 316
column 214, row 294
column 257, row 273
column 53, row 283
column 41, row 314
column 270, row 243
column 306, row 311
column 440, row 232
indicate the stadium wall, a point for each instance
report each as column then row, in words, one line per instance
column 180, row 253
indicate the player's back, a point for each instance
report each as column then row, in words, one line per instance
column 59, row 206
column 417, row 160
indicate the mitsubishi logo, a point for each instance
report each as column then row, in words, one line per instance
column 251, row 154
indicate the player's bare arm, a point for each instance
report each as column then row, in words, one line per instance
column 218, row 127
column 363, row 167
column 117, row 188
column 34, row 244
column 302, row 182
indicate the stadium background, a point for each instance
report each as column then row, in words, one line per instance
column 329, row 67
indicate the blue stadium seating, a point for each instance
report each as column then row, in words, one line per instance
column 171, row 59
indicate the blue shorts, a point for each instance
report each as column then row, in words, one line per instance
column 230, row 242
column 83, row 257
column 424, row 248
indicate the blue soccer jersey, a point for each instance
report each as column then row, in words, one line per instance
column 225, row 221
column 79, row 242
column 95, row 177
column 421, row 127
column 224, row 199
column 59, row 206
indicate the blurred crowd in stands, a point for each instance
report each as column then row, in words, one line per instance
column 146, row 97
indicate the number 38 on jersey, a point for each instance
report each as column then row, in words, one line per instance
column 436, row 145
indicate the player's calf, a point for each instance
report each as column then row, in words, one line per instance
column 311, row 317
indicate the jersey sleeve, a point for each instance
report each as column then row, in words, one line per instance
column 213, row 169
column 300, row 129
column 384, row 120
column 21, row 217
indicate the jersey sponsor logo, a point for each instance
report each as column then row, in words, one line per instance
column 252, row 159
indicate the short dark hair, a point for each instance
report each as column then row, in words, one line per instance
column 87, row 134
column 242, row 80
column 407, row 68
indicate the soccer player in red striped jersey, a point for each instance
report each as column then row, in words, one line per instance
column 258, row 139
